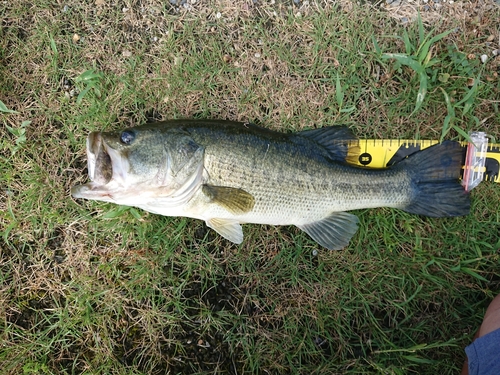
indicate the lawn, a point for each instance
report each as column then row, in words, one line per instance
column 95, row 288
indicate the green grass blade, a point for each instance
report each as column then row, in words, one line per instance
column 421, row 30
column 422, row 91
column 348, row 109
column 88, row 75
column 405, row 60
column 474, row 274
column 462, row 132
column 446, row 127
column 449, row 106
column 471, row 92
column 418, row 359
column 408, row 45
column 135, row 213
column 116, row 212
column 376, row 46
column 448, row 120
column 82, row 94
column 53, row 45
column 339, row 93
column 423, row 52
column 417, row 67
column 4, row 109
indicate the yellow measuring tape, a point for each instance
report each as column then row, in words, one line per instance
column 381, row 153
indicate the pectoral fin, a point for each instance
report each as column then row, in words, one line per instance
column 334, row 232
column 237, row 201
column 229, row 229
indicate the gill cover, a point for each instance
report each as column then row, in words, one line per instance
column 178, row 177
column 184, row 163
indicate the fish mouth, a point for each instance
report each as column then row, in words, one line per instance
column 99, row 163
column 107, row 169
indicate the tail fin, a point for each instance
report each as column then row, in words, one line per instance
column 435, row 173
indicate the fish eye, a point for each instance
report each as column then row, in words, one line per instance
column 127, row 137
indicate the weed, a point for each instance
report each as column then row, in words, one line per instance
column 87, row 81
column 417, row 57
column 20, row 135
column 4, row 109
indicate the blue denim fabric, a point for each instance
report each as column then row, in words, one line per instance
column 484, row 354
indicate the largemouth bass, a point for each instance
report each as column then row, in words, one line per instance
column 228, row 173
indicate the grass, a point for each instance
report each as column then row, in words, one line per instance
column 93, row 288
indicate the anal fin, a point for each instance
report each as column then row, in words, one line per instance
column 333, row 232
column 229, row 229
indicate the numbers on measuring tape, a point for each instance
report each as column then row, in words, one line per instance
column 382, row 153
column 365, row 159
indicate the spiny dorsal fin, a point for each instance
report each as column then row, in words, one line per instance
column 235, row 200
column 333, row 232
column 229, row 229
column 335, row 140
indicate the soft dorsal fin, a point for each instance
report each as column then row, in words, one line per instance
column 333, row 232
column 335, row 140
column 235, row 200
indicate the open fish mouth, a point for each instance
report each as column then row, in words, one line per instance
column 105, row 163
column 99, row 163
column 107, row 169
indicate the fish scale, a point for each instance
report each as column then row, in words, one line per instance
column 276, row 197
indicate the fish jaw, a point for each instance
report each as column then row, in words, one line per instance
column 96, row 191
column 107, row 171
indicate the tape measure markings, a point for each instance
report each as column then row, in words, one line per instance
column 381, row 153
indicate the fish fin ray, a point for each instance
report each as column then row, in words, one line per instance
column 435, row 172
column 229, row 229
column 235, row 200
column 335, row 140
column 333, row 232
